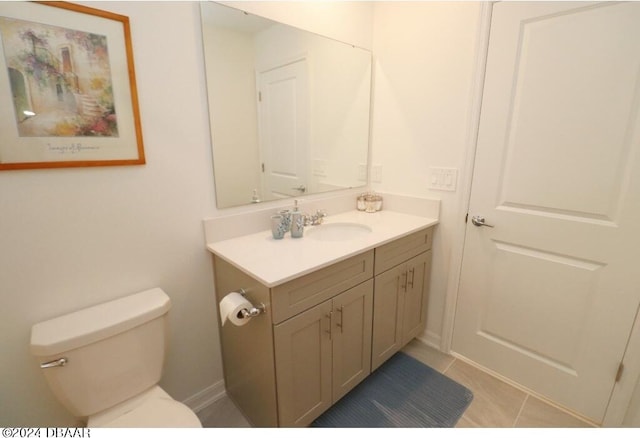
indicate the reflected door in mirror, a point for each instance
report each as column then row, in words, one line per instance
column 284, row 129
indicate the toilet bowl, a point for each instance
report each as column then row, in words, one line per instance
column 103, row 363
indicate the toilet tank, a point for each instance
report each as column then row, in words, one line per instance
column 113, row 351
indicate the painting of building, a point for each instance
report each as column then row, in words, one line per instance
column 60, row 80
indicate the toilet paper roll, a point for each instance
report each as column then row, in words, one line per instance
column 231, row 306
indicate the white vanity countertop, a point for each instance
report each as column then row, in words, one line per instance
column 274, row 262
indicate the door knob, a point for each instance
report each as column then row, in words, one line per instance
column 478, row 221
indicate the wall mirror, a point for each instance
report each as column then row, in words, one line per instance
column 289, row 109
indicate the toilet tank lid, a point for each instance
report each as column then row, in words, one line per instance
column 98, row 322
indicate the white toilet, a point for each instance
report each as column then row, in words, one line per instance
column 104, row 363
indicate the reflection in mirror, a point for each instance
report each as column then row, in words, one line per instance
column 289, row 109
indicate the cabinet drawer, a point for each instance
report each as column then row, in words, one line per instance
column 300, row 294
column 401, row 250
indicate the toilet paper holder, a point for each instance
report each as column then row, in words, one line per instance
column 254, row 311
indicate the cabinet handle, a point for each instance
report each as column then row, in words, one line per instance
column 403, row 281
column 412, row 271
column 341, row 316
column 328, row 316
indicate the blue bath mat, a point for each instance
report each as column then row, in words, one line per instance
column 402, row 392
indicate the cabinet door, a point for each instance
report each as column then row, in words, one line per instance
column 388, row 305
column 351, row 332
column 416, row 296
column 303, row 366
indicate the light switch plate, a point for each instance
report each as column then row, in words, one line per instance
column 443, row 178
column 320, row 167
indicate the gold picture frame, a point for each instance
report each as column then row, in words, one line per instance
column 67, row 87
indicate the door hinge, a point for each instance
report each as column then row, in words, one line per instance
column 262, row 165
column 259, row 96
column 619, row 372
column 466, row 218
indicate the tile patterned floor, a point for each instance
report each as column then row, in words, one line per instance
column 495, row 403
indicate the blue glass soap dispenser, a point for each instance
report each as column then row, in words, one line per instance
column 297, row 221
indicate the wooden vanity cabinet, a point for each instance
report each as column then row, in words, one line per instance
column 323, row 333
column 247, row 351
column 401, row 293
column 309, row 348
column 322, row 353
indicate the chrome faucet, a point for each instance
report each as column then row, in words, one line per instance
column 314, row 219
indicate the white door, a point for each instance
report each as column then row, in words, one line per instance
column 548, row 295
column 284, row 129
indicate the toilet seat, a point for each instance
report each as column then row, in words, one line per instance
column 153, row 408
column 157, row 412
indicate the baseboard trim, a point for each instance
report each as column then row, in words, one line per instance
column 431, row 339
column 205, row 397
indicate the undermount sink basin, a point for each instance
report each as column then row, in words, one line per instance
column 337, row 231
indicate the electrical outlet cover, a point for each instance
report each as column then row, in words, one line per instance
column 362, row 172
column 376, row 173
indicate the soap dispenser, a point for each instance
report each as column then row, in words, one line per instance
column 297, row 221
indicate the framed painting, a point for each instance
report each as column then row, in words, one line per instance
column 67, row 88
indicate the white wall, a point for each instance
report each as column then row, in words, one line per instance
column 71, row 238
column 424, row 74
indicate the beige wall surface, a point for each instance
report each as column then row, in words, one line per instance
column 424, row 73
